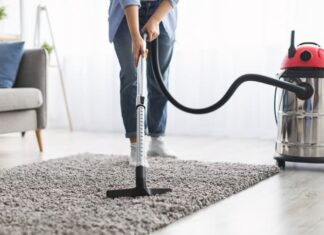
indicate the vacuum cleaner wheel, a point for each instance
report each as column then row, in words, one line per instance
column 282, row 159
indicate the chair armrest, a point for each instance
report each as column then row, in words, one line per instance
column 33, row 73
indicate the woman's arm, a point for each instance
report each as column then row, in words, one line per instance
column 152, row 26
column 131, row 13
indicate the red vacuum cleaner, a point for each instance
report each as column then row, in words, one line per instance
column 301, row 122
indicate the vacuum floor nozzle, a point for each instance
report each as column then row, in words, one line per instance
column 140, row 190
column 136, row 192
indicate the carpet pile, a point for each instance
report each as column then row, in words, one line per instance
column 67, row 196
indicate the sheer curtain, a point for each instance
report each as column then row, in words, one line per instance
column 217, row 41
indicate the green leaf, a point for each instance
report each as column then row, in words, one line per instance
column 3, row 13
column 48, row 47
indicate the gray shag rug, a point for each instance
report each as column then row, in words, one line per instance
column 67, row 196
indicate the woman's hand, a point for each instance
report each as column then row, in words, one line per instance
column 152, row 28
column 133, row 25
column 138, row 48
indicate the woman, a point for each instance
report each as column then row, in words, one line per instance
column 128, row 19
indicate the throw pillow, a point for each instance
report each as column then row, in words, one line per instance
column 10, row 57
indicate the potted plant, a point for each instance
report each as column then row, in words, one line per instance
column 47, row 47
column 3, row 13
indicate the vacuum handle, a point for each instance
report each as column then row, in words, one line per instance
column 308, row 43
column 145, row 47
column 143, row 58
column 141, row 69
column 145, row 38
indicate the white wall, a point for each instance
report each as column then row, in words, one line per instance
column 217, row 41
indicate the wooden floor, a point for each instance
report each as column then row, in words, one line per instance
column 288, row 203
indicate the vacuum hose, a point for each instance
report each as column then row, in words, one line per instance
column 303, row 90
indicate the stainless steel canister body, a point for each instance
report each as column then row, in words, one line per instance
column 301, row 122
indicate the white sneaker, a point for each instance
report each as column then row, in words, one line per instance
column 157, row 147
column 132, row 160
column 132, row 156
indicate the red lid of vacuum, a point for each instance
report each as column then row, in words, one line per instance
column 306, row 55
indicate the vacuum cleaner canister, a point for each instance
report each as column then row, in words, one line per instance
column 301, row 122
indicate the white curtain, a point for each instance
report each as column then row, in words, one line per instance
column 217, row 41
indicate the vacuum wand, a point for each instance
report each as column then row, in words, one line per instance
column 140, row 188
column 303, row 90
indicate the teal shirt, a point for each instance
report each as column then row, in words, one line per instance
column 116, row 15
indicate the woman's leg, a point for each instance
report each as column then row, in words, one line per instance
column 157, row 102
column 123, row 48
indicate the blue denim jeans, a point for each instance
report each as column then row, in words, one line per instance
column 156, row 114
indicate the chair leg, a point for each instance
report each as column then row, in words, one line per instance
column 39, row 139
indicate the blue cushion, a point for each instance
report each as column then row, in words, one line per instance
column 10, row 57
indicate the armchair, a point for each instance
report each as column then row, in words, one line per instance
column 24, row 107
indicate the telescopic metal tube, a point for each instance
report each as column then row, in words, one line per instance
column 140, row 109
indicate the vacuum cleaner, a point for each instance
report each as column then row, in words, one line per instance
column 301, row 112
column 299, row 120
